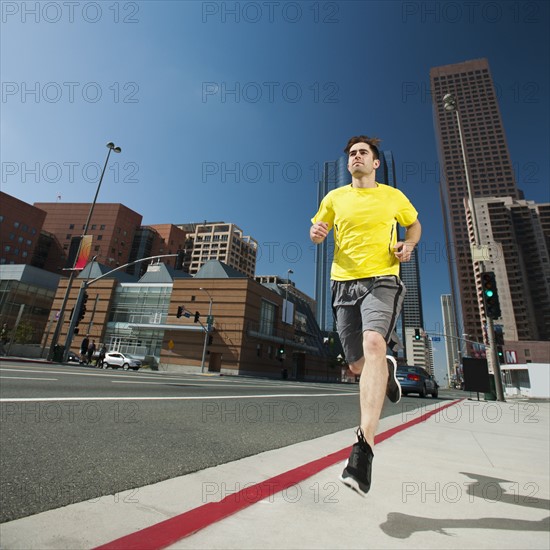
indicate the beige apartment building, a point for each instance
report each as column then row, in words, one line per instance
column 219, row 241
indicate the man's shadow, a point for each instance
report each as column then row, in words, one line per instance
column 402, row 526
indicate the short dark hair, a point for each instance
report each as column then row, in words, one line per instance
column 373, row 142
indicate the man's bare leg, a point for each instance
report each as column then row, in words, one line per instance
column 372, row 385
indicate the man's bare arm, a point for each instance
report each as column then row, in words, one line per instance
column 403, row 249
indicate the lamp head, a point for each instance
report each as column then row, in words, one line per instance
column 111, row 146
column 449, row 102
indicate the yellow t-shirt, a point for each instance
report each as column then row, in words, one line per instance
column 364, row 222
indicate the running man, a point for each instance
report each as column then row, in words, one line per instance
column 367, row 293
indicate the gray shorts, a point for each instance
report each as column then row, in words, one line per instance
column 373, row 303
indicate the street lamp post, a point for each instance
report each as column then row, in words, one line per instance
column 111, row 146
column 207, row 329
column 288, row 273
column 450, row 104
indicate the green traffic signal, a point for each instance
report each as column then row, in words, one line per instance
column 490, row 295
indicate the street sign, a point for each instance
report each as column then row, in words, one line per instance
column 436, row 339
column 170, row 344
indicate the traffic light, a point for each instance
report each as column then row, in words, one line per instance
column 180, row 311
column 179, row 260
column 281, row 352
column 499, row 335
column 417, row 334
column 82, row 310
column 490, row 295
column 500, row 354
column 197, row 316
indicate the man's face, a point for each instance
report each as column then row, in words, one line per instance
column 361, row 161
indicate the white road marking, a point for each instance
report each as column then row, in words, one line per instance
column 167, row 398
column 206, row 380
column 26, row 378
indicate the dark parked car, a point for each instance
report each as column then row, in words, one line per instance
column 417, row 380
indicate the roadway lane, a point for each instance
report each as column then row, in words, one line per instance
column 74, row 433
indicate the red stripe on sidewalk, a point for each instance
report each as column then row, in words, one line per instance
column 168, row 532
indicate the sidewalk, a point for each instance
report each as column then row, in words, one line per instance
column 467, row 474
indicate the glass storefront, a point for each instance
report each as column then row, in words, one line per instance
column 136, row 303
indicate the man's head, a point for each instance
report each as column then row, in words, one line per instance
column 363, row 155
column 371, row 141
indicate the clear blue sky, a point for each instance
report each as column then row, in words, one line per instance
column 227, row 110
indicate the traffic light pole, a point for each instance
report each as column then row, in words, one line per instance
column 496, row 363
column 450, row 104
column 206, row 329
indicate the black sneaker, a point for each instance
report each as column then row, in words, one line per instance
column 393, row 389
column 357, row 473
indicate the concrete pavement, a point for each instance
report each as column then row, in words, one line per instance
column 456, row 474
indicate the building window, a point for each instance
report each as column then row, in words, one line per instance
column 68, row 236
column 100, row 237
column 94, row 226
column 16, row 224
column 71, row 226
column 267, row 317
column 102, row 227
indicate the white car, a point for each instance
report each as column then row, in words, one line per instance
column 115, row 360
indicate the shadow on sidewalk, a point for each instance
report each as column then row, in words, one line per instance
column 402, row 526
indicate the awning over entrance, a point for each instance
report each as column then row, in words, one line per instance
column 153, row 326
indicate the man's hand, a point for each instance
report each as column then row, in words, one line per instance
column 318, row 232
column 403, row 250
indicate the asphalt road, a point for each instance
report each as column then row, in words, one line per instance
column 75, row 433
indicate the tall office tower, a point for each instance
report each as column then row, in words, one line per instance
column 490, row 169
column 520, row 259
column 219, row 241
column 451, row 347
